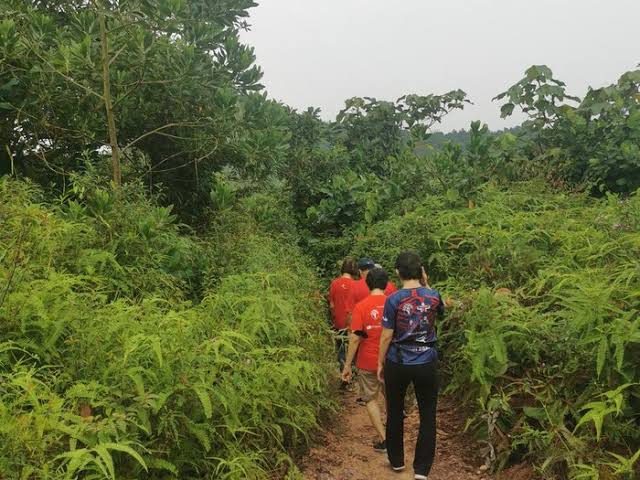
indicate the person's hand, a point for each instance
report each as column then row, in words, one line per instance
column 346, row 373
column 381, row 373
column 425, row 278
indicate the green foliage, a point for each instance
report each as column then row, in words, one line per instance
column 594, row 142
column 544, row 331
column 373, row 129
column 181, row 83
column 112, row 367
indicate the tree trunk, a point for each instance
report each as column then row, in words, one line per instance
column 111, row 122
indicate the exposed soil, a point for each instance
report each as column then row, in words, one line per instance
column 345, row 452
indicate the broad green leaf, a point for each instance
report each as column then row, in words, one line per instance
column 106, row 458
column 160, row 464
column 535, row 412
column 120, row 447
column 603, row 350
column 205, row 400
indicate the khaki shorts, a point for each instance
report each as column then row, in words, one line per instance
column 370, row 386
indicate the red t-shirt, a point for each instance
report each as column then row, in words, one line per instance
column 360, row 291
column 390, row 288
column 339, row 296
column 367, row 318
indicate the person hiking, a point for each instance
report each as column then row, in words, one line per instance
column 360, row 290
column 340, row 306
column 408, row 355
column 364, row 338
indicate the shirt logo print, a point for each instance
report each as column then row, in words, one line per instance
column 423, row 307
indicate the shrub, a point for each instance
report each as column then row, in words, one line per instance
column 111, row 367
column 544, row 334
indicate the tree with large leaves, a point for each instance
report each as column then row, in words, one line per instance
column 159, row 82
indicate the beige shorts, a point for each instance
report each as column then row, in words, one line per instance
column 369, row 385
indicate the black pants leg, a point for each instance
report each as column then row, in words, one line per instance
column 425, row 381
column 396, row 382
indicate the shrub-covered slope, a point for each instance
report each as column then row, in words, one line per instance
column 543, row 338
column 131, row 350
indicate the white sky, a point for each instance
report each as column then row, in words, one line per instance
column 320, row 52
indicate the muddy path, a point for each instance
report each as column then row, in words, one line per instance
column 344, row 451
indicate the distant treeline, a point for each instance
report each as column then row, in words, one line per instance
column 462, row 136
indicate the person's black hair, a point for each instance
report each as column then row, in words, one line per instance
column 409, row 265
column 377, row 278
column 349, row 266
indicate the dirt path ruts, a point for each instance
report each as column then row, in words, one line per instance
column 345, row 452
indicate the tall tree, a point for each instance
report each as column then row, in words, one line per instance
column 158, row 82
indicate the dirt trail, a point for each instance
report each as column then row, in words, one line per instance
column 345, row 451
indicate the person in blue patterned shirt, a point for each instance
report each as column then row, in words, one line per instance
column 408, row 355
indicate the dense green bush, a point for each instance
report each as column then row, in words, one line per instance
column 543, row 339
column 110, row 365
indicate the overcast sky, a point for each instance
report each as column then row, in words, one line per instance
column 320, row 52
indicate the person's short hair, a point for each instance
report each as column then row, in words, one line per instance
column 349, row 266
column 377, row 278
column 409, row 265
column 365, row 264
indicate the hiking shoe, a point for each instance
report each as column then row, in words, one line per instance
column 361, row 402
column 380, row 446
column 395, row 468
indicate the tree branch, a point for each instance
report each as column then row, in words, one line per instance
column 159, row 129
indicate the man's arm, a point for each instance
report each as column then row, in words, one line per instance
column 441, row 308
column 388, row 326
column 330, row 298
column 348, row 319
column 385, row 341
column 354, row 342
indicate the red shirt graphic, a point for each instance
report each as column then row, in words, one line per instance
column 339, row 296
column 367, row 322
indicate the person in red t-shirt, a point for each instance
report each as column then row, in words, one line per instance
column 339, row 303
column 366, row 328
column 390, row 288
column 340, row 291
column 360, row 290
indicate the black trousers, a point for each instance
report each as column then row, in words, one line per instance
column 397, row 378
